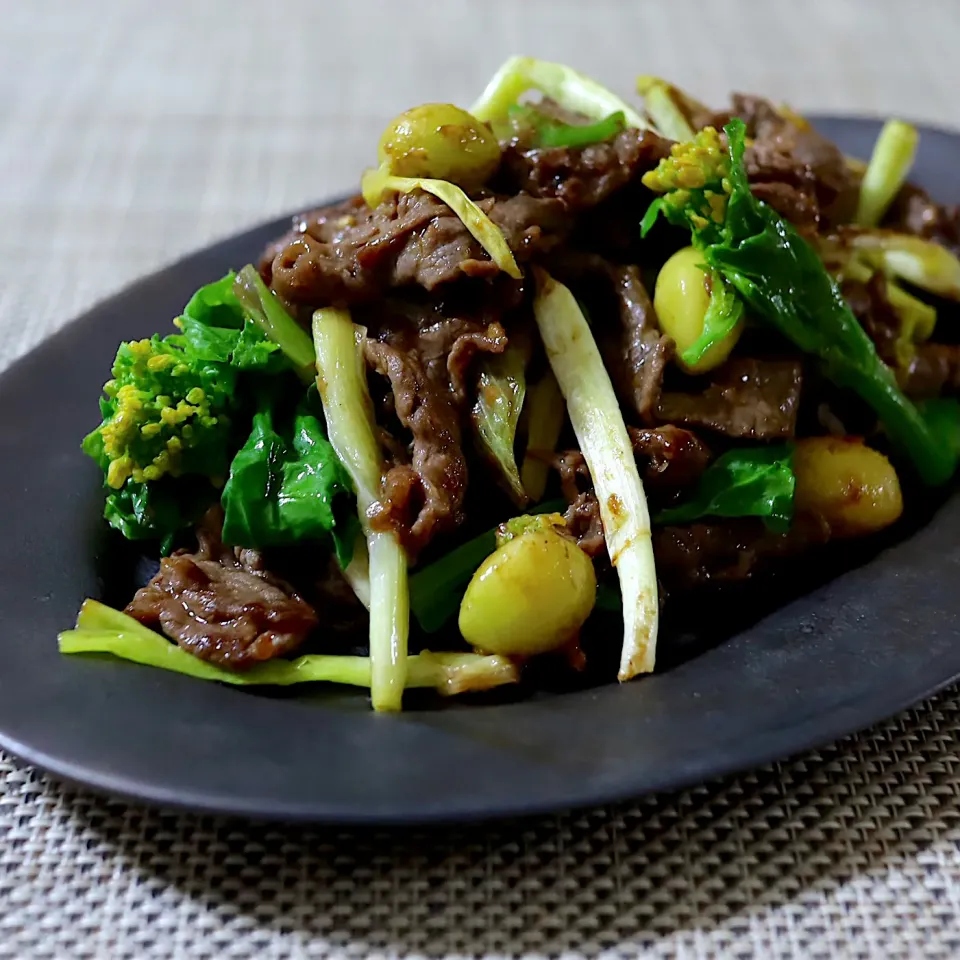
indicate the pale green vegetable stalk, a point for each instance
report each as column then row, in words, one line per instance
column 921, row 262
column 887, row 171
column 667, row 107
column 598, row 424
column 572, row 90
column 545, row 416
column 501, row 389
column 269, row 314
column 376, row 183
column 101, row 629
column 350, row 426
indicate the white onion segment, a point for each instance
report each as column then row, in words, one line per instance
column 595, row 415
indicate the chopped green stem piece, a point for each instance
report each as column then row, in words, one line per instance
column 101, row 629
column 749, row 482
column 272, row 318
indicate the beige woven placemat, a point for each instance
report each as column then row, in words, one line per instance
column 133, row 132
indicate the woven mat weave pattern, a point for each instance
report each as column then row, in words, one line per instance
column 134, row 132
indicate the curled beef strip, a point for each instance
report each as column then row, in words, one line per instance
column 870, row 305
column 913, row 211
column 799, row 172
column 351, row 254
column 426, row 361
column 222, row 606
column 638, row 353
column 727, row 550
column 669, row 458
column 582, row 177
column 755, row 399
column 634, row 350
column 934, row 370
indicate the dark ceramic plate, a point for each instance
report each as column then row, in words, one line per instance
column 851, row 651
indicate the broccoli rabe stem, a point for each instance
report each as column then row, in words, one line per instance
column 342, row 384
column 269, row 314
column 100, row 629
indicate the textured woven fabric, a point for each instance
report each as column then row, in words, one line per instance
column 133, row 132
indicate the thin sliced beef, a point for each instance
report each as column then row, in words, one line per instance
column 352, row 254
column 799, row 172
column 634, row 350
column 669, row 459
column 754, row 399
column 913, row 211
column 723, row 551
column 583, row 177
column 584, row 524
column 425, row 497
column 638, row 353
column 222, row 606
column 870, row 305
column 934, row 370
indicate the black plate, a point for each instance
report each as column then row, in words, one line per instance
column 850, row 653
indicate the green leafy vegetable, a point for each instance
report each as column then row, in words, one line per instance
column 218, row 326
column 501, row 390
column 784, row 282
column 437, row 589
column 743, row 483
column 166, row 414
column 103, row 630
column 266, row 312
column 545, row 132
column 283, row 489
column 724, row 312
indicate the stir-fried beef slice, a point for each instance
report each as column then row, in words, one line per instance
column 913, row 211
column 935, row 369
column 638, row 354
column 634, row 351
column 222, row 606
column 836, row 186
column 352, row 254
column 584, row 524
column 425, row 497
column 755, row 399
column 799, row 172
column 870, row 305
column 728, row 550
column 582, row 177
column 669, row 458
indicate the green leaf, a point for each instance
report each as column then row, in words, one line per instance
column 755, row 482
column 158, row 510
column 723, row 313
column 546, row 132
column 215, row 305
column 284, row 487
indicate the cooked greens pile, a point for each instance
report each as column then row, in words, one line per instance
column 262, row 423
